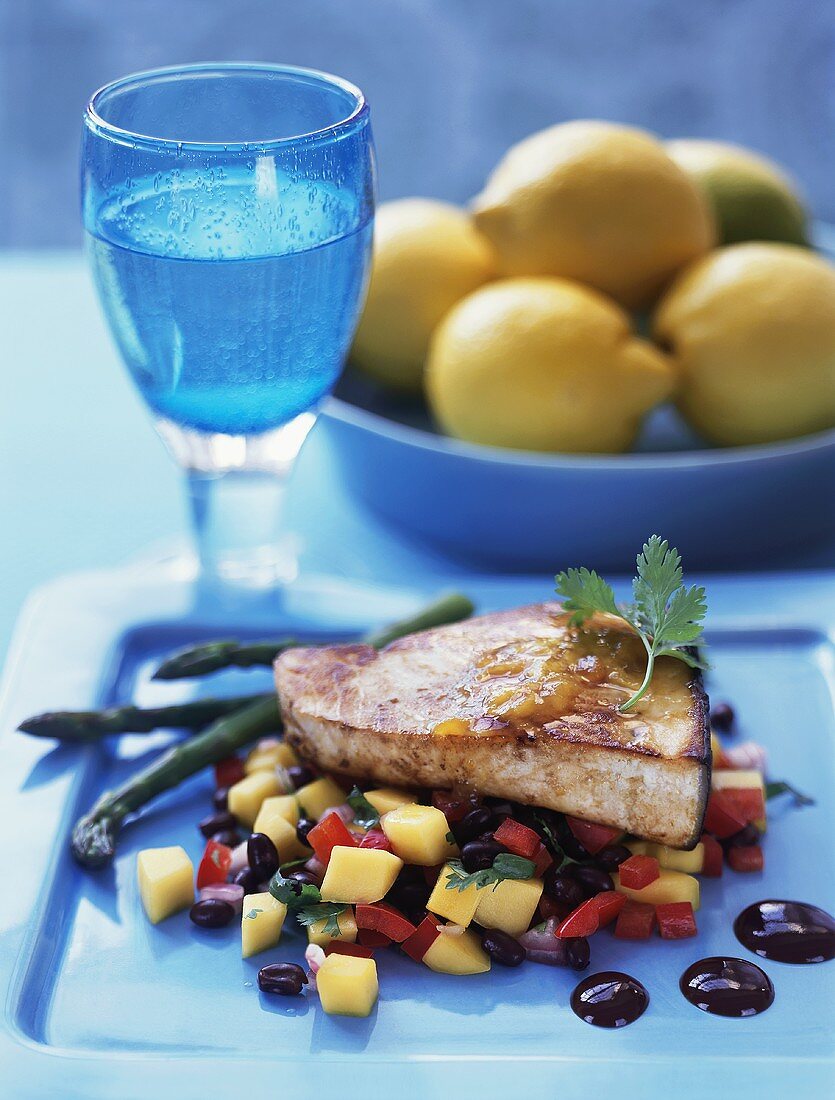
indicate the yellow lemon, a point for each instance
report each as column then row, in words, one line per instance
column 595, row 202
column 543, row 364
column 427, row 256
column 751, row 329
column 751, row 198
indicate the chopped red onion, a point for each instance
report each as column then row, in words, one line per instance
column 230, row 892
column 240, row 860
column 747, row 755
column 316, row 867
column 542, row 946
column 343, row 811
column 314, row 956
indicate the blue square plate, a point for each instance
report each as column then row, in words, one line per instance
column 100, row 1003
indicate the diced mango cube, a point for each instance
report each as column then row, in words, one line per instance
column 347, row 986
column 418, row 834
column 741, row 779
column 265, row 757
column 285, row 805
column 346, row 922
column 272, row 820
column 246, row 796
column 316, row 797
column 359, row 876
column 672, row 858
column 510, row 905
column 166, row 881
column 262, row 919
column 386, row 799
column 457, row 953
column 458, row 906
column 670, row 886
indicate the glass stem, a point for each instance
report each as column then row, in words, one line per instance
column 236, row 487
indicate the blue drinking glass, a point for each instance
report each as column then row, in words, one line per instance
column 228, row 213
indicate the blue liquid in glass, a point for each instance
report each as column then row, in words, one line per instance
column 233, row 297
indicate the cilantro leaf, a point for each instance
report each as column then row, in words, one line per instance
column 505, row 866
column 584, row 593
column 252, row 914
column 780, row 786
column 292, row 893
column 364, row 813
column 327, row 911
column 666, row 615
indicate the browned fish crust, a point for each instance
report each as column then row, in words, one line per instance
column 516, row 704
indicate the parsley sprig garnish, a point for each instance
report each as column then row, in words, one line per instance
column 665, row 614
column 364, row 813
column 504, row 866
column 327, row 911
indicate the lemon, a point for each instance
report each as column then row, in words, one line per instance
column 543, row 364
column 751, row 329
column 595, row 202
column 427, row 256
column 751, row 198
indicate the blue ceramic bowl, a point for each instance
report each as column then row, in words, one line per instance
column 520, row 511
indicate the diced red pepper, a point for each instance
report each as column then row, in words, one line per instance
column 592, row 915
column 384, row 918
column 748, row 802
column 214, row 865
column 340, row 947
column 635, row 921
column 747, row 859
column 452, row 806
column 376, row 838
column 721, row 817
column 330, row 833
column 593, row 837
column 228, row 772
column 638, row 871
column 369, row 938
column 541, row 860
column 421, row 939
column 517, row 838
column 676, row 920
column 713, row 865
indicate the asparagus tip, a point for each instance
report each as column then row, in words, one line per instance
column 94, row 841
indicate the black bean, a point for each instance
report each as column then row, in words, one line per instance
column 722, row 716
column 564, row 889
column 593, row 880
column 410, row 896
column 745, row 838
column 577, row 953
column 262, row 856
column 230, row 837
column 220, row 800
column 211, row 913
column 611, row 857
column 248, row 879
column 300, row 775
column 306, row 878
column 303, row 828
column 501, row 809
column 479, row 854
column 284, row 978
column 472, row 825
column 216, row 823
column 503, row 948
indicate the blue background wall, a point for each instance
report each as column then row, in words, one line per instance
column 451, row 82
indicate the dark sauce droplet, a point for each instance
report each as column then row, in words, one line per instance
column 787, row 931
column 727, row 987
column 609, row 999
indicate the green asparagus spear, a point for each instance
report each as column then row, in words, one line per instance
column 202, row 659
column 81, row 726
column 95, row 836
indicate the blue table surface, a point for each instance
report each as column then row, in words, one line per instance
column 85, row 482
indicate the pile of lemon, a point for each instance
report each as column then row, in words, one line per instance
column 517, row 318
